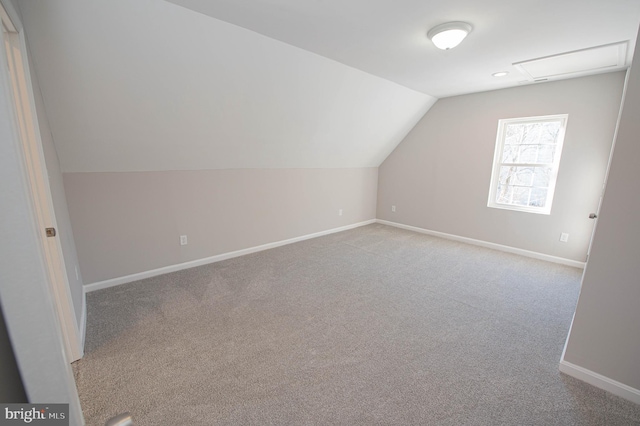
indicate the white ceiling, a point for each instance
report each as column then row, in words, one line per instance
column 388, row 38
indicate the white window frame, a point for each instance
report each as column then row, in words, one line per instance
column 497, row 162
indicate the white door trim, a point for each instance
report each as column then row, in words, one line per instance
column 35, row 167
column 25, row 289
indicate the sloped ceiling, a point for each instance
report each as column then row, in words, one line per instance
column 388, row 38
column 149, row 85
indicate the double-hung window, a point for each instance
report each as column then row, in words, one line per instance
column 525, row 164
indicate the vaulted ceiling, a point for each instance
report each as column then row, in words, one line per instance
column 388, row 38
column 213, row 84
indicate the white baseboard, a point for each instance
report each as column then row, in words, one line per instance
column 217, row 258
column 600, row 381
column 508, row 249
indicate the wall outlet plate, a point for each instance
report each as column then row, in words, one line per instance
column 564, row 237
column 183, row 240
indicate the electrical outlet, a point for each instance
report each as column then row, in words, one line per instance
column 183, row 240
column 393, row 208
column 340, row 212
column 564, row 237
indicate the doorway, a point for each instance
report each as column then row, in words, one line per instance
column 34, row 166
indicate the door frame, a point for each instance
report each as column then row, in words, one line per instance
column 35, row 167
column 26, row 294
column 606, row 174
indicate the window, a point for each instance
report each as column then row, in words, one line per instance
column 525, row 164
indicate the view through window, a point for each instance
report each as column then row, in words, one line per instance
column 525, row 165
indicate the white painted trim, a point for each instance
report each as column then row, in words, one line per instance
column 33, row 157
column 29, row 304
column 494, row 246
column 83, row 321
column 600, row 381
column 217, row 258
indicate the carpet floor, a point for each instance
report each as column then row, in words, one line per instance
column 371, row 326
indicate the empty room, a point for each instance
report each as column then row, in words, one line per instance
column 221, row 212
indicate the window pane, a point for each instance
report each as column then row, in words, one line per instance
column 510, row 154
column 503, row 195
column 513, row 133
column 505, row 175
column 524, row 176
column 512, row 175
column 538, row 197
column 550, row 132
column 513, row 195
column 532, row 154
column 531, row 133
column 541, row 177
column 546, row 154
column 527, row 153
column 521, row 196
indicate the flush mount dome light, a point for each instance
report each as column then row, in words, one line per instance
column 500, row 73
column 449, row 35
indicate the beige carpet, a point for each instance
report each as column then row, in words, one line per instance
column 370, row 326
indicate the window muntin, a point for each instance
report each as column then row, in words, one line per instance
column 525, row 165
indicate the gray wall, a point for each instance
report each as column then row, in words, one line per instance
column 438, row 177
column 130, row 222
column 156, row 139
column 605, row 335
column 173, row 89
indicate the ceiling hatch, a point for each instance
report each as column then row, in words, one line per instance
column 593, row 60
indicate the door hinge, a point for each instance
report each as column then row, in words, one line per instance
column 51, row 232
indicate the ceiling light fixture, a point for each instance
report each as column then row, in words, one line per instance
column 500, row 73
column 449, row 35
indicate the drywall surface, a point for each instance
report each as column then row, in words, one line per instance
column 59, row 199
column 604, row 336
column 438, row 177
column 148, row 85
column 388, row 39
column 126, row 223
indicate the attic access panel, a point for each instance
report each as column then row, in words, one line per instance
column 593, row 60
